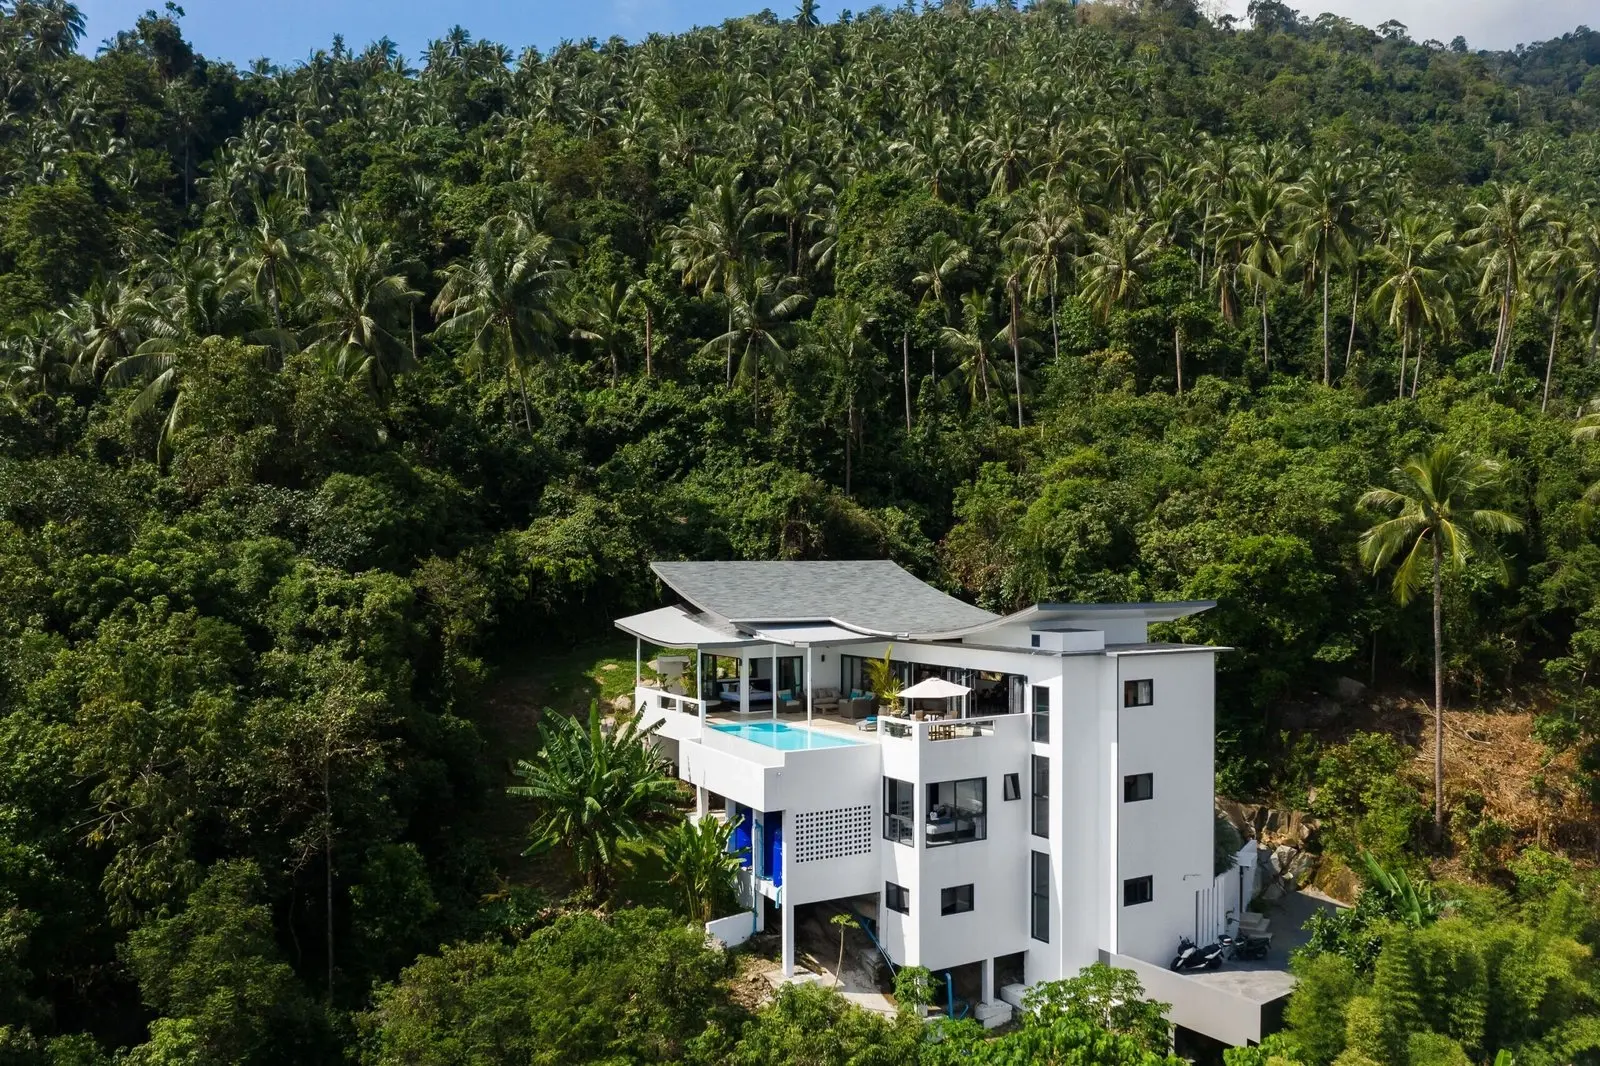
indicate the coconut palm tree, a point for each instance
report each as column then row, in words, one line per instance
column 599, row 317
column 1258, row 229
column 843, row 342
column 1555, row 269
column 1502, row 235
column 500, row 298
column 269, row 251
column 970, row 344
column 1112, row 271
column 594, row 789
column 1045, row 238
column 1328, row 225
column 357, row 300
column 712, row 244
column 1412, row 290
column 1440, row 520
column 761, row 300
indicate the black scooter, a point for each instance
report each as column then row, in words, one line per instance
column 1190, row 957
column 1255, row 946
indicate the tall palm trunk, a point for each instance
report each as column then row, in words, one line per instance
column 1055, row 328
column 1438, row 689
column 327, row 858
column 273, row 300
column 1550, row 360
column 1355, row 298
column 649, row 343
column 1416, row 365
column 1502, row 341
column 730, row 343
column 1177, row 353
column 522, row 387
column 1016, row 351
column 849, row 436
column 1405, row 353
column 1327, row 371
column 1266, row 356
column 905, row 371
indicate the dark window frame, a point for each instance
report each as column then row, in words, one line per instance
column 1132, row 792
column 899, row 811
column 1137, row 891
column 892, row 894
column 1011, row 787
column 967, row 822
column 1139, row 692
column 957, row 899
column 1039, row 897
column 1041, row 718
column 1039, row 790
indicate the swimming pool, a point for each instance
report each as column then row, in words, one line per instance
column 784, row 737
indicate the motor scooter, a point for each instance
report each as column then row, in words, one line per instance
column 1191, row 957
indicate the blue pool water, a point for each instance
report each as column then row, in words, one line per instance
column 782, row 736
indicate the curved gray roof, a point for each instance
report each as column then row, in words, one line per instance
column 873, row 596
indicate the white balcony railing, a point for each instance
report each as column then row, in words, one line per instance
column 935, row 729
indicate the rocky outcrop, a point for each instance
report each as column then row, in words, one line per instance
column 1288, row 843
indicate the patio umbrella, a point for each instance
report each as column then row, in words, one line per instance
column 934, row 688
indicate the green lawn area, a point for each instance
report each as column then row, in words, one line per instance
column 526, row 686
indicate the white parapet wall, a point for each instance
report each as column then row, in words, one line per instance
column 733, row 930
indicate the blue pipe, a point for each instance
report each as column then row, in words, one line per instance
column 866, row 927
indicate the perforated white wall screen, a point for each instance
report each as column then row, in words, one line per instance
column 832, row 834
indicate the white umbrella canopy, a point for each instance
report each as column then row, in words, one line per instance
column 934, row 688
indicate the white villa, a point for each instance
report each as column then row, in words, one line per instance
column 1054, row 812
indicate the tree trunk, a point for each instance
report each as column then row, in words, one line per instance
column 1327, row 371
column 1177, row 354
column 1550, row 360
column 1405, row 353
column 1016, row 352
column 1416, row 365
column 1266, row 357
column 327, row 860
column 1594, row 323
column 730, row 342
column 1502, row 344
column 1355, row 302
column 1438, row 690
column 905, row 371
column 1055, row 328
column 272, row 295
column 649, row 344
column 522, row 387
column 849, row 435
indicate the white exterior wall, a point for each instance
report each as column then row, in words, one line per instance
column 1168, row 837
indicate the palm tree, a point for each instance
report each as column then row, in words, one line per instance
column 594, row 790
column 1013, row 270
column 1441, row 521
column 599, row 318
column 1257, row 228
column 703, row 866
column 713, row 242
column 1503, row 231
column 761, row 300
column 1556, row 268
column 970, row 344
column 1112, row 272
column 500, row 298
column 1045, row 238
column 357, row 300
column 1413, row 281
column 843, row 339
column 269, row 252
column 107, row 325
column 1327, row 230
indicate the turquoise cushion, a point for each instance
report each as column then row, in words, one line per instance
column 783, row 694
column 855, row 694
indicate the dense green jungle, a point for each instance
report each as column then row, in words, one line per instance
column 336, row 397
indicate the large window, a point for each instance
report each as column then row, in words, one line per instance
column 1138, row 693
column 1136, row 890
column 896, row 898
column 956, row 900
column 956, row 811
column 1136, row 787
column 899, row 818
column 1039, row 897
column 1041, row 796
column 1041, row 713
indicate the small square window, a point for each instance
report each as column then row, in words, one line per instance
column 896, row 898
column 957, row 900
column 1136, row 787
column 1034, row 640
column 1138, row 693
column 1012, row 787
column 1136, row 890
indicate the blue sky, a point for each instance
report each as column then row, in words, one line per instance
column 288, row 30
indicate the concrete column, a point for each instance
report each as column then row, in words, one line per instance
column 744, row 684
column 788, row 934
column 757, row 832
column 638, row 658
column 774, row 689
column 988, row 981
column 702, row 803
column 808, row 684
